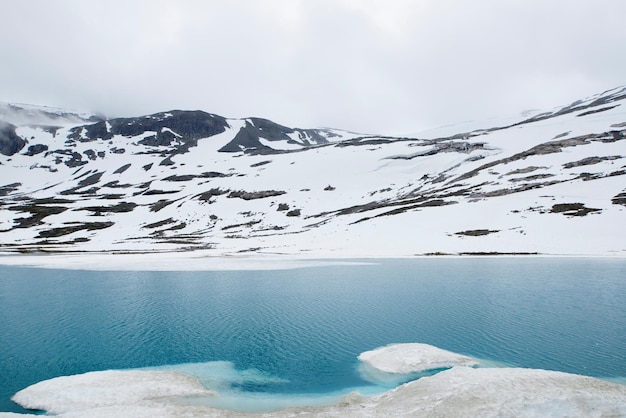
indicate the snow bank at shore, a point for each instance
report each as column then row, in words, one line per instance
column 459, row 391
column 167, row 261
column 94, row 390
column 211, row 261
column 498, row 392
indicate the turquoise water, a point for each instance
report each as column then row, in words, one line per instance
column 298, row 332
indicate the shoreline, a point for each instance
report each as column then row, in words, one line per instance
column 206, row 260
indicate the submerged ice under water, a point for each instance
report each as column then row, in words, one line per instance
column 267, row 339
column 228, row 383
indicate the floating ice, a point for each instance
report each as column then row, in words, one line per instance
column 414, row 357
column 395, row 364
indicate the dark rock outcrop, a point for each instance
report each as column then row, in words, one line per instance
column 248, row 139
column 10, row 141
column 177, row 129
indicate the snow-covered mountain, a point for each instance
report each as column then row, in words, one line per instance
column 25, row 114
column 545, row 182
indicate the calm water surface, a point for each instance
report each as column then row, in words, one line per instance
column 299, row 331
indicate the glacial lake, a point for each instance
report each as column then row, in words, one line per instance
column 294, row 333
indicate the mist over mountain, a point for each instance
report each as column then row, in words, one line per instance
column 546, row 182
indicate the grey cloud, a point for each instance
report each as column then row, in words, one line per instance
column 387, row 66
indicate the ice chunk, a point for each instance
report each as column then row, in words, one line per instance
column 412, row 358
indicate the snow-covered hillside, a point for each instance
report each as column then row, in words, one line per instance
column 547, row 182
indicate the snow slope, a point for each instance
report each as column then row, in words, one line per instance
column 544, row 183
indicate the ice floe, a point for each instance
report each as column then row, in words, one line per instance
column 395, row 364
column 413, row 357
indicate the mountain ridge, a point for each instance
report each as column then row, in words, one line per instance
column 548, row 183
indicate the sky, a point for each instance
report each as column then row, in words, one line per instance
column 368, row 66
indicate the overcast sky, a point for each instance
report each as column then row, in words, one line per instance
column 371, row 66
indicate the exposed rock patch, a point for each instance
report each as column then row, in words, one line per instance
column 591, row 161
column 121, row 207
column 620, row 199
column 572, row 209
column 157, row 206
column 248, row 139
column 189, row 177
column 255, row 195
column 122, row 169
column 38, row 213
column 259, row 164
column 10, row 141
column 477, row 232
column 70, row 229
column 525, row 170
column 9, row 188
column 209, row 194
column 160, row 223
column 36, row 149
column 91, row 180
column 602, row 109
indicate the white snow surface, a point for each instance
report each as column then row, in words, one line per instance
column 459, row 391
column 107, row 388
